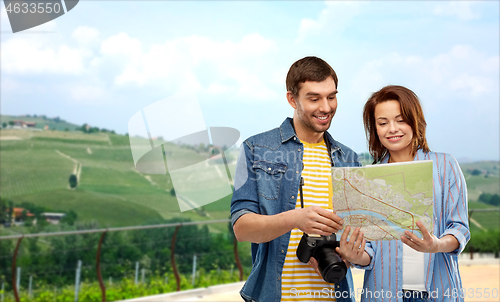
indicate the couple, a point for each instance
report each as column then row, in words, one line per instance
column 266, row 205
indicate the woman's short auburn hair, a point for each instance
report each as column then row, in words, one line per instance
column 412, row 114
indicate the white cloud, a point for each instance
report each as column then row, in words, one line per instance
column 335, row 18
column 87, row 93
column 192, row 63
column 22, row 55
column 463, row 10
column 11, row 85
column 462, row 70
column 121, row 44
column 85, row 35
column 4, row 19
column 175, row 64
column 476, row 85
column 41, row 51
column 491, row 64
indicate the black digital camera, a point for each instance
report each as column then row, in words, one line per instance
column 322, row 248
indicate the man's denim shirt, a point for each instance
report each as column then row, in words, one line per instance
column 267, row 181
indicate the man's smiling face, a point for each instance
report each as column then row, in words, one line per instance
column 315, row 106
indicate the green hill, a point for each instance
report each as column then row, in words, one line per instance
column 40, row 122
column 481, row 177
column 36, row 165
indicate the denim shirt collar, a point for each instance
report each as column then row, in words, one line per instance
column 287, row 132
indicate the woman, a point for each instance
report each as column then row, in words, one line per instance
column 412, row 269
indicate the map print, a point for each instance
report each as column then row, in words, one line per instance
column 384, row 200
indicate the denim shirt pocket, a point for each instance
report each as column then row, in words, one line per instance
column 269, row 176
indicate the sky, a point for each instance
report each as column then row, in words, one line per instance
column 104, row 61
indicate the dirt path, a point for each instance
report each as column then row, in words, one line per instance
column 474, row 221
column 77, row 168
column 10, row 138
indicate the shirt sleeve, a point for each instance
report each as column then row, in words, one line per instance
column 455, row 204
column 245, row 199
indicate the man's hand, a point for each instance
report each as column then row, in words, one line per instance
column 314, row 263
column 259, row 228
column 318, row 221
column 353, row 250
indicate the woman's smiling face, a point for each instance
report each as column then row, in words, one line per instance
column 392, row 130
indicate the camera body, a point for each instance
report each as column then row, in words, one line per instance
column 322, row 248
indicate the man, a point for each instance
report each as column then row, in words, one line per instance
column 266, row 208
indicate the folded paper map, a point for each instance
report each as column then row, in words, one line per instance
column 384, row 200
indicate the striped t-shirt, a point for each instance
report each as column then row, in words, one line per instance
column 299, row 280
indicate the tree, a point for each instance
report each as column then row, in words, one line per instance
column 4, row 125
column 493, row 199
column 11, row 211
column 24, row 215
column 73, row 181
column 476, row 172
column 4, row 213
column 28, row 221
column 11, row 123
column 84, row 127
column 69, row 218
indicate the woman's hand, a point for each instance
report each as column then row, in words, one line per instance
column 428, row 244
column 354, row 249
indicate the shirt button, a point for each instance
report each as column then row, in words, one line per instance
column 293, row 197
column 269, row 169
column 294, row 138
column 299, row 149
column 282, row 251
column 297, row 172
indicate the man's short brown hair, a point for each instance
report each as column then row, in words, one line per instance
column 308, row 69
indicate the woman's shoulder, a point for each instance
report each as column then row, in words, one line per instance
column 436, row 157
column 442, row 161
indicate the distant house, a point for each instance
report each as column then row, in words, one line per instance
column 53, row 218
column 23, row 124
column 46, row 127
column 18, row 214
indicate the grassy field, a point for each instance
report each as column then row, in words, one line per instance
column 110, row 190
column 480, row 184
column 488, row 220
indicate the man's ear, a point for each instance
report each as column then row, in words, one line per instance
column 291, row 99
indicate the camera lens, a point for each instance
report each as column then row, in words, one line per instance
column 330, row 265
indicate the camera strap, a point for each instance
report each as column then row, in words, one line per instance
column 302, row 180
